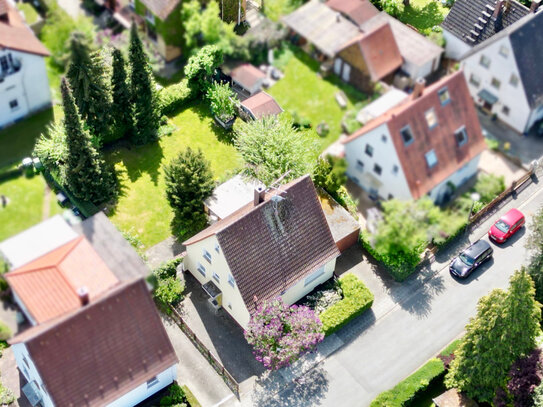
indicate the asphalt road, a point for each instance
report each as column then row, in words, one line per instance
column 380, row 352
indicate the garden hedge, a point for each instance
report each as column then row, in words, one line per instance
column 357, row 298
column 405, row 392
column 174, row 97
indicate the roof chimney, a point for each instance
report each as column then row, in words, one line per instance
column 419, row 88
column 83, row 293
column 259, row 195
column 535, row 5
column 498, row 15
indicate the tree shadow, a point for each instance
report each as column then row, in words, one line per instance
column 476, row 273
column 203, row 112
column 423, row 17
column 309, row 389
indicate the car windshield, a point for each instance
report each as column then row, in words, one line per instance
column 468, row 261
column 502, row 226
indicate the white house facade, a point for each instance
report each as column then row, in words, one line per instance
column 455, row 48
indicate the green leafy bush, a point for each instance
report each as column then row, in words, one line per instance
column 6, row 396
column 350, row 123
column 5, row 332
column 357, row 298
column 168, row 289
column 174, row 97
column 489, row 186
column 222, row 101
column 405, row 392
column 492, row 144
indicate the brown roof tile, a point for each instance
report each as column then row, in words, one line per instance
column 358, row 11
column 262, row 104
column 380, row 52
column 459, row 112
column 120, row 336
column 247, row 75
column 14, row 34
column 272, row 246
column 161, row 8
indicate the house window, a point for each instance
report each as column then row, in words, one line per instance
column 230, row 305
column 369, row 150
column 149, row 16
column 359, row 165
column 395, row 169
column 484, row 61
column 4, row 63
column 431, row 118
column 201, row 269
column 504, row 51
column 13, row 104
column 377, row 169
column 407, row 135
column 461, row 136
column 444, row 96
column 216, row 277
column 206, row 255
column 513, row 80
column 384, row 138
column 390, row 196
column 231, row 280
column 26, row 362
column 314, row 276
column 495, row 83
column 431, row 158
column 505, row 110
column 475, row 80
column 217, row 248
column 152, row 382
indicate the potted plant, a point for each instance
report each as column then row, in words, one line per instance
column 222, row 101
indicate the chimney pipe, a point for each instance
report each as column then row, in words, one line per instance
column 418, row 88
column 83, row 294
column 498, row 10
column 259, row 195
column 535, row 6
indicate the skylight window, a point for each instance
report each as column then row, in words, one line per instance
column 431, row 158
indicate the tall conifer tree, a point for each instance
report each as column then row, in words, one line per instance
column 121, row 109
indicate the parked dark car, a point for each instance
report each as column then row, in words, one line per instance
column 471, row 258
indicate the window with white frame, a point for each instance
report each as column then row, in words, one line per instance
column 312, row 277
column 359, row 165
column 407, row 135
column 201, row 269
column 431, row 158
column 152, row 382
column 149, row 16
column 369, row 150
column 431, row 118
column 475, row 80
column 484, row 61
column 504, row 51
column 216, row 277
column 495, row 83
column 461, row 136
column 231, row 280
column 217, row 248
column 206, row 255
column 444, row 96
column 513, row 80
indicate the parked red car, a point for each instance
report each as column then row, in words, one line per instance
column 506, row 226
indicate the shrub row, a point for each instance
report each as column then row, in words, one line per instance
column 168, row 289
column 357, row 298
column 174, row 97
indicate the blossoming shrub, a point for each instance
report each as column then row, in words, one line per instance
column 281, row 334
column 357, row 298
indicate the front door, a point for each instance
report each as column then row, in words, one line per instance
column 346, row 72
column 337, row 66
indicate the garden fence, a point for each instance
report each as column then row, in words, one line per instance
column 212, row 360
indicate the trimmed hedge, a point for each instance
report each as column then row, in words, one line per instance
column 357, row 298
column 174, row 97
column 405, row 392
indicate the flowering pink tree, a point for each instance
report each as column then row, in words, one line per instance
column 281, row 334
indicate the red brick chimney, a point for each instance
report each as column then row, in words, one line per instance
column 82, row 292
column 259, row 195
column 418, row 88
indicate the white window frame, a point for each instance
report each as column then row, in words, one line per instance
column 432, row 113
column 475, row 80
column 434, row 161
column 201, row 269
column 152, row 382
column 461, row 130
column 206, row 255
column 231, row 280
column 216, row 277
column 406, row 143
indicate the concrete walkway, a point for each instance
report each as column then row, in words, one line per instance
column 493, row 162
column 163, row 252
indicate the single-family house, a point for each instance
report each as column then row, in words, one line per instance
column 503, row 73
column 358, row 11
column 278, row 245
column 428, row 145
column 111, row 351
column 247, row 79
column 24, row 87
column 359, row 57
column 472, row 22
column 258, row 106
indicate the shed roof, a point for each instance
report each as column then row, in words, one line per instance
column 247, row 75
column 262, row 104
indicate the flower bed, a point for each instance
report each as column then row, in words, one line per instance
column 357, row 298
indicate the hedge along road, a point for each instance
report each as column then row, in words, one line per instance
column 381, row 350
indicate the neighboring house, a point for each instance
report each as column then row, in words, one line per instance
column 278, row 245
column 428, row 145
column 392, row 98
column 358, row 57
column 471, row 22
column 24, row 87
column 358, row 11
column 247, row 79
column 113, row 351
column 258, row 106
column 504, row 73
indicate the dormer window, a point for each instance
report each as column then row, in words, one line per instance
column 461, row 136
column 444, row 96
column 431, row 158
column 431, row 118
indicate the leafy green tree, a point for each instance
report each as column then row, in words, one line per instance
column 534, row 244
column 121, row 108
column 201, row 67
column 271, row 147
column 87, row 175
column 87, row 77
column 222, row 100
column 504, row 329
column 51, row 147
column 144, row 97
column 330, row 174
column 189, row 182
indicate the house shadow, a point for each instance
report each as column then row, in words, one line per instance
column 218, row 331
column 309, row 389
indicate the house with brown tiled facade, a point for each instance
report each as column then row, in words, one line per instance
column 278, row 245
column 429, row 144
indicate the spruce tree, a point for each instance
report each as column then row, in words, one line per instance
column 87, row 77
column 146, row 117
column 87, row 175
column 121, row 108
column 504, row 329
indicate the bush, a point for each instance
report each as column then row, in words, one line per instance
column 407, row 390
column 349, row 122
column 174, row 97
column 168, row 289
column 357, row 298
column 222, row 100
column 6, row 396
column 492, row 144
column 489, row 186
column 5, row 332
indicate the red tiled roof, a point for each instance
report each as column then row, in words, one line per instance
column 450, row 117
column 15, row 35
column 247, row 75
column 359, row 11
column 102, row 351
column 272, row 246
column 262, row 104
column 380, row 52
column 161, row 8
column 48, row 285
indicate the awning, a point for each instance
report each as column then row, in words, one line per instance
column 211, row 289
column 488, row 97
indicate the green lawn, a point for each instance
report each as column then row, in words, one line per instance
column 423, row 14
column 31, row 15
column 17, row 141
column 143, row 205
column 302, row 90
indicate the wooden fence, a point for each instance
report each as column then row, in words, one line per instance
column 212, row 360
